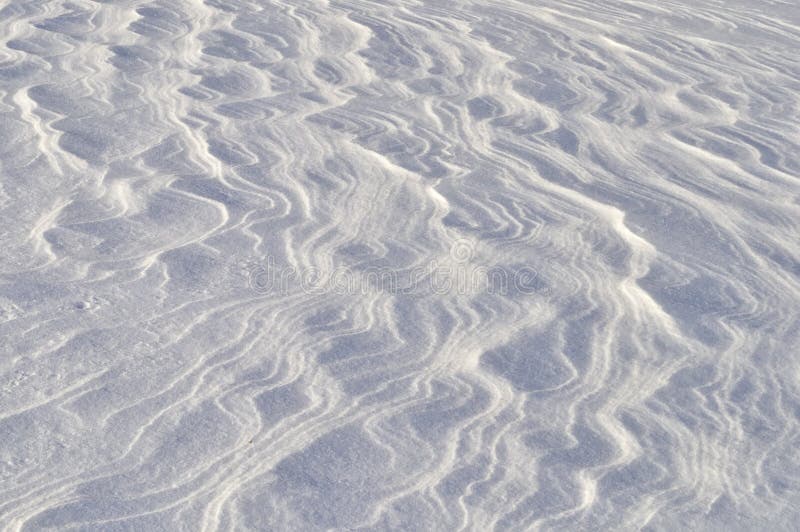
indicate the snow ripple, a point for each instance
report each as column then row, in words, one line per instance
column 408, row 264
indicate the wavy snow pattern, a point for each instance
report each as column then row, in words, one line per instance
column 641, row 158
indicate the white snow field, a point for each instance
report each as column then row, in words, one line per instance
column 424, row 265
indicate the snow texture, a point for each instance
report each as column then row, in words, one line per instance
column 424, row 265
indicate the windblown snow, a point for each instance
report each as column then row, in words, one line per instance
column 422, row 265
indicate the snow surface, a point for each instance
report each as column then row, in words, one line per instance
column 400, row 265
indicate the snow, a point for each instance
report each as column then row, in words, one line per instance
column 399, row 265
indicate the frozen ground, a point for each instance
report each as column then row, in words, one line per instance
column 235, row 235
